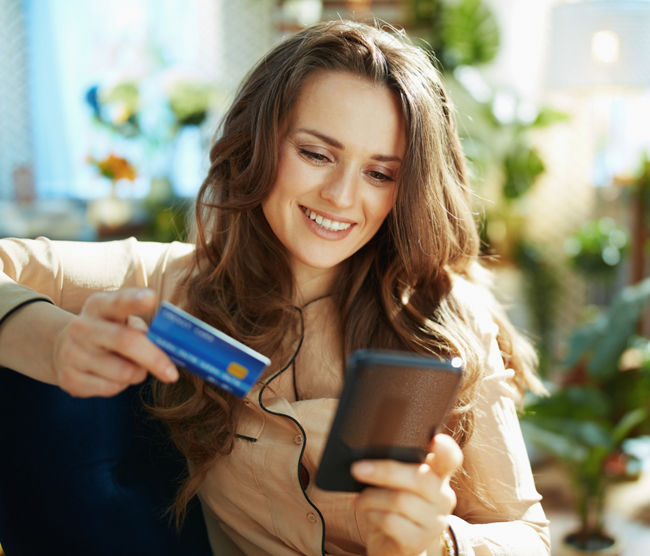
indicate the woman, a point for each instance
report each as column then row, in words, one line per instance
column 335, row 216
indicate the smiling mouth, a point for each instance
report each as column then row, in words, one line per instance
column 326, row 223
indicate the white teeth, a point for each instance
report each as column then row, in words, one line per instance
column 332, row 225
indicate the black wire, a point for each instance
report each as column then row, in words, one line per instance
column 295, row 353
column 302, row 333
column 300, row 427
column 292, row 359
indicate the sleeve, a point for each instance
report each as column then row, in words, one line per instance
column 495, row 458
column 67, row 272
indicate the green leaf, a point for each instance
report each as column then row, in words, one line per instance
column 522, row 166
column 583, row 433
column 554, row 443
column 578, row 403
column 621, row 321
column 597, row 247
column 584, row 339
column 605, row 339
column 627, row 423
column 549, row 116
column 469, row 32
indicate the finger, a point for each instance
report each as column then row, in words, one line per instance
column 135, row 346
column 447, row 455
column 117, row 306
column 112, row 367
column 412, row 477
column 406, row 504
column 86, row 385
column 400, row 535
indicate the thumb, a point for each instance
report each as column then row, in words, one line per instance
column 445, row 457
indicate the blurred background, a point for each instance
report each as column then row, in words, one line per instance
column 107, row 110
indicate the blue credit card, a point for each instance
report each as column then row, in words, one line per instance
column 206, row 351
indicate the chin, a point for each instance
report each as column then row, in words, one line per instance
column 321, row 262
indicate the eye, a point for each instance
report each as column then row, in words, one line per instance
column 318, row 158
column 379, row 176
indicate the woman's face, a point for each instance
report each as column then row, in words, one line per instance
column 339, row 157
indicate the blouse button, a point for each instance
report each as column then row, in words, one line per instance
column 312, row 517
column 297, row 439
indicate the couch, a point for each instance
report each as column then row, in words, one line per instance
column 91, row 477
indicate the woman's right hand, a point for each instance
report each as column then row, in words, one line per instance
column 104, row 349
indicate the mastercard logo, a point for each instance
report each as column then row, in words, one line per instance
column 237, row 370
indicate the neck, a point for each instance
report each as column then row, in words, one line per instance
column 313, row 283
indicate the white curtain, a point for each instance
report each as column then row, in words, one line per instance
column 15, row 142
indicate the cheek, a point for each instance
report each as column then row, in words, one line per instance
column 384, row 203
column 272, row 205
column 281, row 185
column 386, row 207
column 291, row 177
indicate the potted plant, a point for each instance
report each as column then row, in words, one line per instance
column 109, row 213
column 597, row 248
column 602, row 398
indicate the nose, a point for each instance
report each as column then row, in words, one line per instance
column 341, row 187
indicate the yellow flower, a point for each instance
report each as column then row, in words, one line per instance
column 114, row 167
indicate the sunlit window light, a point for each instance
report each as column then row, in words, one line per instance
column 605, row 47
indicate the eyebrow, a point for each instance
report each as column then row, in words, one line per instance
column 338, row 145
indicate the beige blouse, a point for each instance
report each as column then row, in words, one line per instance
column 255, row 495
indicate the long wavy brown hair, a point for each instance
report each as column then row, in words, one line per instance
column 396, row 292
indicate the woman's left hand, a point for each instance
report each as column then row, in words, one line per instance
column 405, row 508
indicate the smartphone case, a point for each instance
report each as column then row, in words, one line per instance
column 391, row 406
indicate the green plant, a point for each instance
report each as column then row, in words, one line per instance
column 496, row 129
column 166, row 216
column 116, row 107
column 190, row 102
column 458, row 33
column 148, row 118
column 597, row 248
column 642, row 181
column 603, row 399
column 541, row 287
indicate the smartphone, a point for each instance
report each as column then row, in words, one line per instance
column 392, row 405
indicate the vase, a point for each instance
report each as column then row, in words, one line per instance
column 600, row 545
column 110, row 212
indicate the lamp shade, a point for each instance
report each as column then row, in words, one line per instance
column 599, row 43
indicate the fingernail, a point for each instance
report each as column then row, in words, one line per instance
column 171, row 373
column 142, row 294
column 363, row 468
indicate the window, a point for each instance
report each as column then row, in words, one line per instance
column 72, row 46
